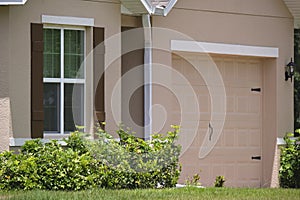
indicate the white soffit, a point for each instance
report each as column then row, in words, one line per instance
column 294, row 7
column 12, row 2
column 63, row 20
column 226, row 49
column 137, row 7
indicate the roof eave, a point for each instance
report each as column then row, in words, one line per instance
column 294, row 8
column 169, row 7
column 148, row 6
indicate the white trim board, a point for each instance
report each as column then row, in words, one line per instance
column 13, row 2
column 227, row 49
column 17, row 142
column 169, row 7
column 63, row 20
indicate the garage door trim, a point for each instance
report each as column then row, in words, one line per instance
column 225, row 49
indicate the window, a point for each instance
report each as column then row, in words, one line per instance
column 59, row 78
column 63, row 79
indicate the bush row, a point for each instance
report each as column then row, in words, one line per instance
column 107, row 163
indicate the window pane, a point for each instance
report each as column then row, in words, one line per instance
column 51, row 67
column 73, row 53
column 51, row 107
column 74, row 106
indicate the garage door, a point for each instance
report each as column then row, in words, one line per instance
column 237, row 153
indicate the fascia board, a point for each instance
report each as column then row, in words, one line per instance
column 13, row 2
column 169, row 7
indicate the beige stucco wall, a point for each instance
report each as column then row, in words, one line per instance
column 4, row 72
column 257, row 23
column 106, row 14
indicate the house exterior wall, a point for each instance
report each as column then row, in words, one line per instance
column 4, row 72
column 106, row 14
column 257, row 23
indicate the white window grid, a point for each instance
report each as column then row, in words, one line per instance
column 63, row 80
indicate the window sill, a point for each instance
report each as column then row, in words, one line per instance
column 55, row 136
column 18, row 142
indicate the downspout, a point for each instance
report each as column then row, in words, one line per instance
column 147, row 77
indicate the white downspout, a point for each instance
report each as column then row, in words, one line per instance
column 147, row 77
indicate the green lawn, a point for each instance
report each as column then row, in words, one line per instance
column 173, row 194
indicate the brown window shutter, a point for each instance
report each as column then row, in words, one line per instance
column 98, row 54
column 37, row 111
column 133, row 114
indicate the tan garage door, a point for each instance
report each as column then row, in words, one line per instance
column 237, row 153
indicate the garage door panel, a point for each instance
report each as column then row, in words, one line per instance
column 242, row 100
column 241, row 136
column 247, row 138
column 204, row 103
column 256, row 138
column 248, row 172
column 249, row 72
column 235, row 116
column 232, row 153
column 240, row 124
column 228, row 69
column 229, row 138
column 255, row 104
column 242, row 104
column 198, row 140
column 230, row 101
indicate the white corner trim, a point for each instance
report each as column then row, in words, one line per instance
column 17, row 142
column 13, row 2
column 169, row 7
column 63, row 20
column 227, row 49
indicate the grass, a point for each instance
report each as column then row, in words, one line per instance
column 174, row 194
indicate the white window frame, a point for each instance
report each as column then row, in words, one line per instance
column 62, row 80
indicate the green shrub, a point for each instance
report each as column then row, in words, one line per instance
column 194, row 181
column 77, row 142
column 136, row 163
column 47, row 166
column 129, row 163
column 18, row 171
column 219, row 182
column 289, row 173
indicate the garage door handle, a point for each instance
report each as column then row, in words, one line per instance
column 211, row 131
column 256, row 157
